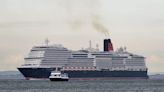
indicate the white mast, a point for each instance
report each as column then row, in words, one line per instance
column 90, row 44
column 46, row 41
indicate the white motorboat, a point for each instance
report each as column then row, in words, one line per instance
column 58, row 76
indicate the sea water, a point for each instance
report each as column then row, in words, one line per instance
column 82, row 86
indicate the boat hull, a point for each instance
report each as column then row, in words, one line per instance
column 58, row 79
column 44, row 73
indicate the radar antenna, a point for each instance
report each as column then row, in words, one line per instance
column 97, row 47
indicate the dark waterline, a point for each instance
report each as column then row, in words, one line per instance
column 82, row 86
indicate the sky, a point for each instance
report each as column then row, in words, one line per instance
column 136, row 24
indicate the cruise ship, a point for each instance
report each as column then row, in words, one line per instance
column 87, row 63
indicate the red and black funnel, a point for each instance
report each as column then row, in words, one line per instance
column 108, row 46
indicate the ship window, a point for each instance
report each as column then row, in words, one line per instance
column 101, row 54
column 58, row 69
column 33, row 61
column 36, row 54
column 79, row 56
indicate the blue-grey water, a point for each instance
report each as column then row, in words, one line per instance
column 82, row 86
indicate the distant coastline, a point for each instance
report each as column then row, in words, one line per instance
column 11, row 75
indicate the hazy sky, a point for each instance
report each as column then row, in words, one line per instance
column 136, row 24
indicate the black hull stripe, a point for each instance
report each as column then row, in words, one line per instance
column 45, row 73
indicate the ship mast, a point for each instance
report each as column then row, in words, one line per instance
column 46, row 41
column 90, row 44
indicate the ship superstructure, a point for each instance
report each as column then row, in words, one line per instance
column 88, row 63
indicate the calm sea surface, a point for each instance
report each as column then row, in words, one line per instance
column 82, row 86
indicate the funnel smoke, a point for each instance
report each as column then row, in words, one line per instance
column 99, row 26
column 81, row 15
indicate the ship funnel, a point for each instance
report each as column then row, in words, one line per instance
column 108, row 46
